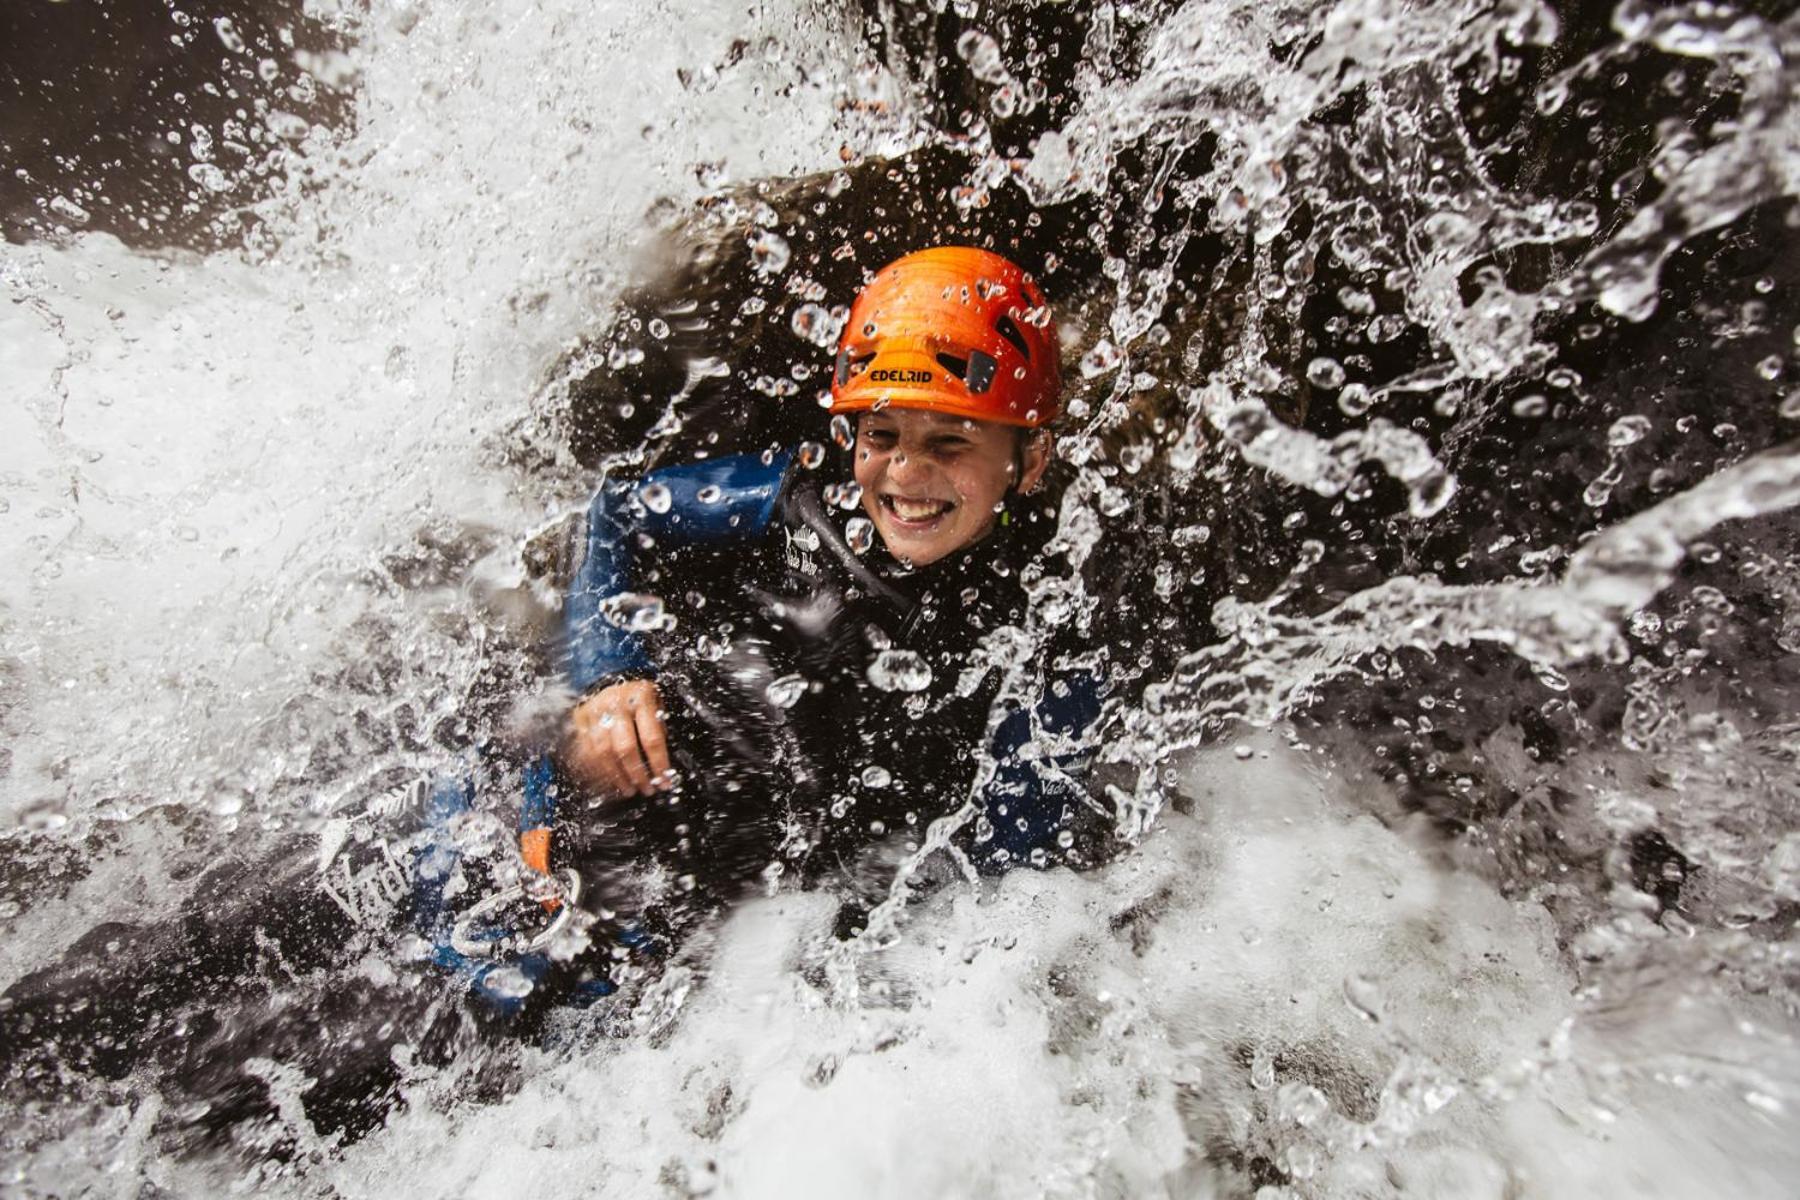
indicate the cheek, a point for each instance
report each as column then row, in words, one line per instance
column 980, row 489
column 867, row 470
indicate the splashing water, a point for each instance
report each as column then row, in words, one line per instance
column 1429, row 508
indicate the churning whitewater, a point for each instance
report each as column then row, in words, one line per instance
column 1426, row 502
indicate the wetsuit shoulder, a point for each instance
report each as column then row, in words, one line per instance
column 712, row 500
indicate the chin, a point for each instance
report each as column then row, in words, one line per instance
column 919, row 552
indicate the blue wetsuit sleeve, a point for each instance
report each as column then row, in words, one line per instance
column 715, row 500
column 1035, row 794
column 709, row 501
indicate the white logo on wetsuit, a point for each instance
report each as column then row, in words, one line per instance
column 800, row 546
column 367, row 891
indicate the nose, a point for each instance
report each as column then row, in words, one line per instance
column 904, row 468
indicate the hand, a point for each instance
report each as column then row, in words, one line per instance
column 616, row 744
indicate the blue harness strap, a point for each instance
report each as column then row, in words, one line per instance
column 1032, row 797
column 538, row 809
column 714, row 500
column 502, row 985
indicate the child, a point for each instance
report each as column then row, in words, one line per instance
column 779, row 671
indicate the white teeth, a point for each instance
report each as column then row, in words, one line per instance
column 918, row 510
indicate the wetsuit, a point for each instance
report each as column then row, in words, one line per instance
column 822, row 698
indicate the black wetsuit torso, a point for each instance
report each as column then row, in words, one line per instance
column 819, row 698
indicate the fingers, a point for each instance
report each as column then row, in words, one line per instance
column 588, row 752
column 627, row 755
column 617, row 744
column 653, row 741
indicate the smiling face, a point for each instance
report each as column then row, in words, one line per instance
column 933, row 483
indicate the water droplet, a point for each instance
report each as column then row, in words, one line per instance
column 860, row 533
column 1325, row 373
column 1770, row 367
column 876, row 777
column 1133, row 457
column 229, row 35
column 811, row 455
column 1533, row 405
column 1627, row 431
column 1550, row 677
column 1363, row 995
column 656, row 497
column 1429, row 495
column 1192, row 535
column 1386, row 328
column 816, row 324
column 1355, row 400
column 1262, row 1069
column 1790, row 407
column 68, row 210
column 786, row 691
column 635, row 611
column 1101, row 359
column 1301, row 1103
column 287, row 126
column 899, row 671
column 1767, row 1103
column 209, row 177
column 710, row 494
column 659, row 328
column 841, row 433
column 508, row 982
column 982, row 53
column 1301, row 1160
column 769, row 252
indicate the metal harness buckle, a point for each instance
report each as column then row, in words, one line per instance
column 469, row 937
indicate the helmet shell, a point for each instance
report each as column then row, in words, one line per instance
column 954, row 330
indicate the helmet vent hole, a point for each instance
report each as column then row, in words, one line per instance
column 1007, row 329
column 977, row 370
column 982, row 369
column 849, row 364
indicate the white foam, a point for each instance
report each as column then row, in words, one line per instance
column 1126, row 1031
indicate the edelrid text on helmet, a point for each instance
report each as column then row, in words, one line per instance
column 955, row 330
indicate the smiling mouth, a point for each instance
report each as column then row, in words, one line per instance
column 912, row 512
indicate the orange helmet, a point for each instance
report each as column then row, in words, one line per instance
column 954, row 330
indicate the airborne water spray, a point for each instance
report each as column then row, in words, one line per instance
column 1431, row 408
